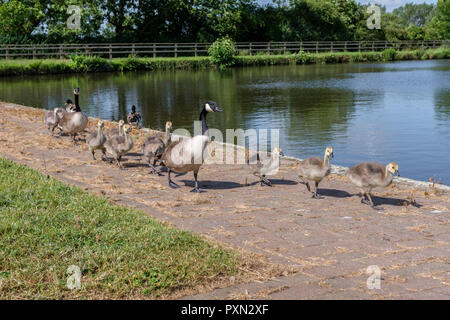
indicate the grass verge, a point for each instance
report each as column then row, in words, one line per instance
column 81, row 64
column 47, row 226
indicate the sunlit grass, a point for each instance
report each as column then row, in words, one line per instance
column 47, row 225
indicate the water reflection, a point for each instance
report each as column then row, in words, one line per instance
column 378, row 111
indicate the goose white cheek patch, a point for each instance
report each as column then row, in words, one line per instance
column 208, row 108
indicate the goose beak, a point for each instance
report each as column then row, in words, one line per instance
column 218, row 109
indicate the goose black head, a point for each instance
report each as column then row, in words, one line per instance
column 76, row 91
column 69, row 101
column 211, row 106
column 133, row 108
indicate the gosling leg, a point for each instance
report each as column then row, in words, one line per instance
column 104, row 158
column 172, row 184
column 196, row 188
column 315, row 194
column 93, row 154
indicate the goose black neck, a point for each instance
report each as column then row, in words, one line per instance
column 77, row 106
column 203, row 120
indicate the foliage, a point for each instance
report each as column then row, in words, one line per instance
column 81, row 64
column 389, row 54
column 222, row 52
column 44, row 21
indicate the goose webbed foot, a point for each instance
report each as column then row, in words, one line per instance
column 316, row 196
column 172, row 184
column 198, row 190
column 265, row 181
column 307, row 186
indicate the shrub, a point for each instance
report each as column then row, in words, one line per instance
column 223, row 52
column 389, row 54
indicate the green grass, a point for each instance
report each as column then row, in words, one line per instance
column 47, row 225
column 81, row 64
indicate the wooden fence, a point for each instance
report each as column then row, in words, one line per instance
column 110, row 50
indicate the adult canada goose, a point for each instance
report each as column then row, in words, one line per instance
column 96, row 140
column 117, row 131
column 155, row 145
column 118, row 146
column 369, row 175
column 315, row 169
column 51, row 118
column 186, row 154
column 74, row 122
column 267, row 166
column 134, row 117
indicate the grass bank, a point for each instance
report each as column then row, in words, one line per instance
column 81, row 64
column 47, row 226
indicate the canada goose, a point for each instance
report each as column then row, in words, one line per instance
column 186, row 154
column 134, row 117
column 154, row 146
column 117, row 131
column 74, row 122
column 315, row 169
column 51, row 118
column 118, row 146
column 96, row 140
column 369, row 175
column 268, row 166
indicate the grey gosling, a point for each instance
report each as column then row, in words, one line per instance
column 315, row 169
column 96, row 140
column 155, row 145
column 267, row 166
column 118, row 146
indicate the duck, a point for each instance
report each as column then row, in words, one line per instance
column 51, row 118
column 118, row 146
column 268, row 166
column 117, row 131
column 96, row 140
column 154, row 146
column 369, row 175
column 74, row 122
column 134, row 117
column 315, row 169
column 185, row 155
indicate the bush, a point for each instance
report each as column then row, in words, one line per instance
column 223, row 52
column 389, row 54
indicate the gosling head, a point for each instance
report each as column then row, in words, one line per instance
column 392, row 167
column 100, row 123
column 329, row 152
column 169, row 125
column 126, row 128
column 278, row 151
column 211, row 106
column 121, row 123
column 68, row 101
column 76, row 91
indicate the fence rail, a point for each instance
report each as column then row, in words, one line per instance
column 111, row 50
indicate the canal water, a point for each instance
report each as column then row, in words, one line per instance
column 382, row 112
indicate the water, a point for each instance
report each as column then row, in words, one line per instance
column 368, row 112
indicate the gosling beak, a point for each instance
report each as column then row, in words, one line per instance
column 332, row 155
column 282, row 153
column 397, row 173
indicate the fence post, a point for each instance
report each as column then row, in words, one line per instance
column 7, row 52
column 268, row 48
column 284, row 48
column 34, row 52
column 301, row 46
column 317, row 46
column 154, row 50
column 132, row 51
column 359, row 46
column 385, row 45
column 110, row 51
column 176, row 49
column 86, row 50
column 373, row 45
column 331, row 46
column 195, row 49
column 250, row 48
column 60, row 51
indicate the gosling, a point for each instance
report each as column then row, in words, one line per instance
column 369, row 175
column 51, row 118
column 269, row 165
column 154, row 147
column 117, row 131
column 315, row 169
column 118, row 146
column 96, row 140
